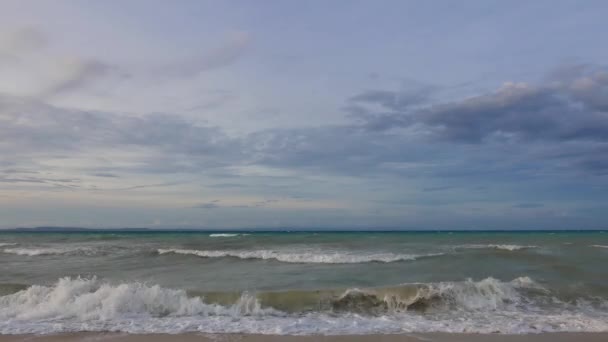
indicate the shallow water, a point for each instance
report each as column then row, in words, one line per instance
column 303, row 283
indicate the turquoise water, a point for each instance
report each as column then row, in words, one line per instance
column 301, row 283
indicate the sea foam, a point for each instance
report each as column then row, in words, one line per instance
column 38, row 251
column 79, row 304
column 504, row 247
column 313, row 257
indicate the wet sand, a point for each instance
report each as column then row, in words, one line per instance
column 432, row 337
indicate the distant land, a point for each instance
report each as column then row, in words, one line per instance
column 50, row 229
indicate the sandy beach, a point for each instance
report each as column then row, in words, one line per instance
column 432, row 337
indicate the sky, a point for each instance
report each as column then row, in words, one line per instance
column 304, row 114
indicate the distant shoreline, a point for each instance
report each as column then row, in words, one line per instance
column 283, row 230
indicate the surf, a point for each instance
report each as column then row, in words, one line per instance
column 486, row 305
column 301, row 257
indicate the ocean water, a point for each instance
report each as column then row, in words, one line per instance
column 304, row 282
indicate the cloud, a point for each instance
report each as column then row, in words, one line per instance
column 513, row 133
column 14, row 44
column 46, row 73
column 161, row 142
column 105, row 175
column 143, row 186
column 234, row 47
column 31, row 70
column 34, row 125
column 77, row 74
column 570, row 110
column 393, row 100
column 208, row 205
column 69, row 183
column 260, row 204
column 215, row 204
column 370, row 105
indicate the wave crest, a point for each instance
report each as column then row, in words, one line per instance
column 91, row 299
column 504, row 247
column 486, row 294
column 223, row 235
column 304, row 257
column 485, row 306
column 47, row 251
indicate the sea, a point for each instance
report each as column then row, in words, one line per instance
column 303, row 283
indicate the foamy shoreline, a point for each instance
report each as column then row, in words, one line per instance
column 427, row 337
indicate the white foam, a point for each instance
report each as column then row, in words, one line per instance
column 486, row 294
column 313, row 257
column 599, row 246
column 4, row 244
column 47, row 251
column 76, row 304
column 505, row 247
column 90, row 299
column 223, row 235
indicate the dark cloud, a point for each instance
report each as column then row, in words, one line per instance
column 208, row 205
column 589, row 157
column 263, row 203
column 518, row 132
column 105, row 175
column 570, row 110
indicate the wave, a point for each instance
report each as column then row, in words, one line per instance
column 4, row 244
column 48, row 251
column 487, row 294
column 504, row 247
column 91, row 299
column 223, row 235
column 488, row 305
column 303, row 257
column 599, row 246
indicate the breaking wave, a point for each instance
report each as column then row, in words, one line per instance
column 223, row 235
column 485, row 295
column 599, row 246
column 488, row 305
column 504, row 247
column 303, row 257
column 85, row 300
column 48, row 251
column 4, row 244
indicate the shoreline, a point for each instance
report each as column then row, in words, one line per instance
column 407, row 337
